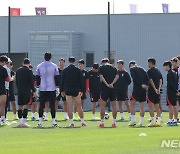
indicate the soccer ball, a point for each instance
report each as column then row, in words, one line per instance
column 106, row 116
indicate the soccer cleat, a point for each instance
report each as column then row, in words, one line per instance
column 15, row 119
column 71, row 125
column 169, row 123
column 20, row 125
column 46, row 118
column 101, row 125
column 132, row 124
column 55, row 125
column 174, row 124
column 152, row 124
column 84, row 124
column 139, row 124
column 39, row 126
column 178, row 121
column 114, row 125
column 33, row 119
column 157, row 124
column 121, row 119
column 26, row 125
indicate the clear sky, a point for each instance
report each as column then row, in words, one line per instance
column 61, row 7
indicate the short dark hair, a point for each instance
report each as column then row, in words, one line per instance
column 3, row 58
column 152, row 61
column 95, row 65
column 62, row 59
column 132, row 62
column 105, row 60
column 47, row 56
column 72, row 59
column 175, row 59
column 81, row 61
column 178, row 57
column 167, row 63
column 120, row 62
column 26, row 61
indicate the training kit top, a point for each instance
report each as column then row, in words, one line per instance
column 47, row 72
column 71, row 78
column 172, row 82
column 94, row 81
column 3, row 77
column 108, row 72
column 124, row 81
column 139, row 77
column 156, row 76
column 24, row 80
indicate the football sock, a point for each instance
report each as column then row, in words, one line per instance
column 132, row 118
column 71, row 121
column 141, row 120
column 82, row 120
column 122, row 115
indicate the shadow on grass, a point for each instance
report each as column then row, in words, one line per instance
column 67, row 127
column 122, row 121
column 94, row 120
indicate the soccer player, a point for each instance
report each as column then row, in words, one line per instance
column 59, row 97
column 108, row 76
column 84, row 87
column 25, row 86
column 155, row 80
column 11, row 91
column 72, row 88
column 172, row 93
column 140, row 85
column 122, row 88
column 175, row 67
column 47, row 80
column 94, row 88
column 3, row 95
column 7, row 86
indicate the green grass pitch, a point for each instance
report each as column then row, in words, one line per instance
column 87, row 140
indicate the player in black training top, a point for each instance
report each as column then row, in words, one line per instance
column 3, row 77
column 108, row 76
column 155, row 84
column 122, row 88
column 25, row 87
column 140, row 85
column 72, row 88
column 84, row 86
column 94, row 87
column 11, row 91
column 172, row 93
column 59, row 97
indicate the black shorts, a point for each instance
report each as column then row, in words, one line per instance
column 47, row 96
column 11, row 96
column 121, row 95
column 171, row 100
column 153, row 97
column 95, row 96
column 3, row 93
column 139, row 95
column 108, row 93
column 24, row 98
column 72, row 92
column 59, row 97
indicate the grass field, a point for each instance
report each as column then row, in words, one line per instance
column 87, row 140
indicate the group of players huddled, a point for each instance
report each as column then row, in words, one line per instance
column 104, row 83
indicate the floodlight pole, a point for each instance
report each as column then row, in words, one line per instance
column 109, row 32
column 9, row 31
